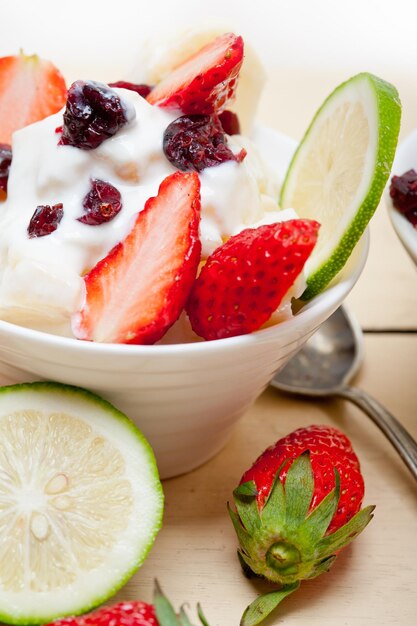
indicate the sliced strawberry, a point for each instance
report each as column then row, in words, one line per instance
column 30, row 90
column 206, row 81
column 138, row 290
column 134, row 613
column 244, row 281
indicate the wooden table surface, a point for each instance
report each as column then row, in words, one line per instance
column 373, row 582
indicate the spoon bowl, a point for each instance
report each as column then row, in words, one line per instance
column 324, row 367
column 329, row 359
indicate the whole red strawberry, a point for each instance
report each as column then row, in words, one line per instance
column 134, row 613
column 245, row 279
column 297, row 507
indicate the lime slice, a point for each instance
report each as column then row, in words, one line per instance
column 340, row 169
column 80, row 501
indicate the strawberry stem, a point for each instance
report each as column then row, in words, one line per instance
column 283, row 557
column 299, row 488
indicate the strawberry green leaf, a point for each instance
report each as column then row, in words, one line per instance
column 201, row 615
column 264, row 605
column 247, row 509
column 247, row 564
column 273, row 513
column 242, row 534
column 316, row 524
column 163, row 608
column 322, row 567
column 299, row 487
column 343, row 536
column 246, row 489
column 247, row 570
column 184, row 621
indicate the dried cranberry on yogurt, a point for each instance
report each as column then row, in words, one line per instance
column 94, row 113
column 45, row 220
column 102, row 203
column 194, row 142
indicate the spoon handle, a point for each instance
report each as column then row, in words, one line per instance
column 390, row 426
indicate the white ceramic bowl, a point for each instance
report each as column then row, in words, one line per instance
column 405, row 159
column 186, row 398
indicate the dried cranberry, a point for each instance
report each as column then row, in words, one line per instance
column 94, row 112
column 5, row 162
column 45, row 220
column 142, row 90
column 194, row 142
column 102, row 203
column 230, row 122
column 403, row 191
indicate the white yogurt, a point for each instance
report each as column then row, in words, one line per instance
column 41, row 282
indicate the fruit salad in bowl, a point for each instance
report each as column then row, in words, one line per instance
column 401, row 196
column 156, row 254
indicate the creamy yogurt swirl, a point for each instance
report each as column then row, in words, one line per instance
column 41, row 279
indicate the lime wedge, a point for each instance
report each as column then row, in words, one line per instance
column 340, row 169
column 80, row 501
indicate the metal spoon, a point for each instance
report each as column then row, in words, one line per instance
column 323, row 368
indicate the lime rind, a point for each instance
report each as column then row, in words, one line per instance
column 76, row 394
column 388, row 118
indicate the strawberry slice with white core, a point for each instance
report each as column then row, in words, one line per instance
column 139, row 289
column 30, row 90
column 206, row 81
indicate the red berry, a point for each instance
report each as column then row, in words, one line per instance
column 141, row 89
column 102, row 203
column 329, row 448
column 94, row 112
column 194, row 142
column 205, row 82
column 245, row 279
column 124, row 614
column 5, row 162
column 45, row 220
column 403, row 191
column 296, row 508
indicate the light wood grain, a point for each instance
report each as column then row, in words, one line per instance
column 373, row 581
